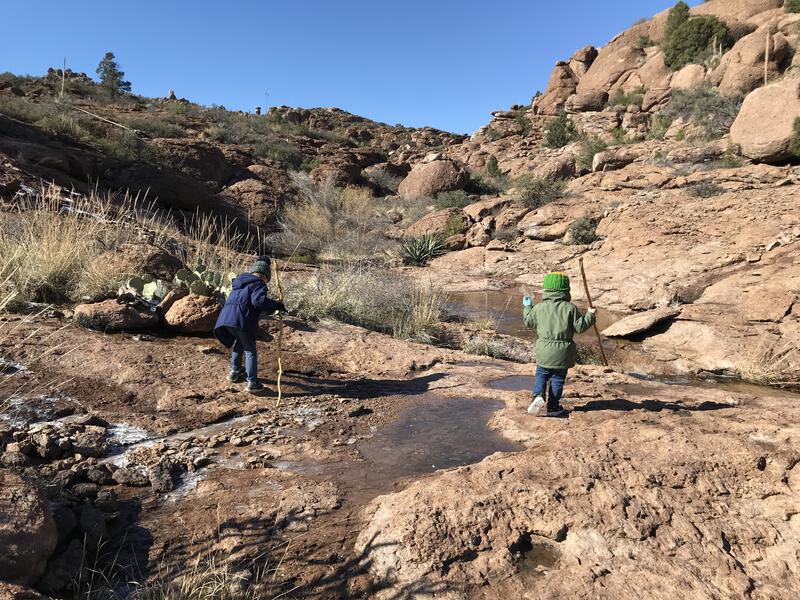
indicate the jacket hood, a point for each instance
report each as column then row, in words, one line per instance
column 244, row 280
column 556, row 295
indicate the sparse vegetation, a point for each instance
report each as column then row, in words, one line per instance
column 362, row 295
column 453, row 199
column 156, row 127
column 478, row 184
column 497, row 347
column 522, row 120
column 560, row 132
column 385, row 180
column 535, row 191
column 583, row 231
column 420, row 251
column 660, row 125
column 704, row 106
column 791, row 6
column 590, row 146
column 732, row 157
column 454, row 226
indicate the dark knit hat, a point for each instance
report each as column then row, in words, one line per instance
column 262, row 267
column 558, row 282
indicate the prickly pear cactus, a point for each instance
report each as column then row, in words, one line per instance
column 152, row 290
column 205, row 282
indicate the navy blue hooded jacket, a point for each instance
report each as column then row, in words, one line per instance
column 247, row 300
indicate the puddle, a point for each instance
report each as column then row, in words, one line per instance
column 9, row 367
column 727, row 384
column 505, row 308
column 537, row 560
column 21, row 411
column 513, row 383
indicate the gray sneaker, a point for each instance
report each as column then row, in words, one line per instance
column 236, row 376
column 536, row 406
column 557, row 412
column 254, row 387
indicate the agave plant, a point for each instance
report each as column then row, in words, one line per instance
column 420, row 251
column 205, row 282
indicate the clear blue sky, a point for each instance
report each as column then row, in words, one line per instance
column 444, row 63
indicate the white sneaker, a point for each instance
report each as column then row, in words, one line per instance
column 536, row 406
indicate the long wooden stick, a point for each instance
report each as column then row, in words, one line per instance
column 589, row 299
column 280, row 333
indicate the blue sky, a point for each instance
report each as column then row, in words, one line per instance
column 444, row 63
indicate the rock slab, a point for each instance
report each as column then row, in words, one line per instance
column 640, row 322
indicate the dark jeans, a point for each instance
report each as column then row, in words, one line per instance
column 247, row 344
column 555, row 377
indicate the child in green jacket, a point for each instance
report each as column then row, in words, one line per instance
column 556, row 321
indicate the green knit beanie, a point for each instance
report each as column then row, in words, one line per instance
column 262, row 267
column 558, row 282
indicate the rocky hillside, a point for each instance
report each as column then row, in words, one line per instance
column 187, row 156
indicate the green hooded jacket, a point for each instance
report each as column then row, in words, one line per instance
column 556, row 321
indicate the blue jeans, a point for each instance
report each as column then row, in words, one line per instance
column 555, row 377
column 247, row 344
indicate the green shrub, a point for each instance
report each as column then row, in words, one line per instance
column 589, row 147
column 480, row 185
column 645, row 42
column 156, row 127
column 583, row 231
column 794, row 143
column 491, row 135
column 23, row 109
column 677, row 16
column 632, row 98
column 112, row 78
column 536, row 191
column 506, row 234
column 560, row 132
column 453, row 199
column 385, row 180
column 372, row 298
column 791, row 6
column 732, row 159
column 454, row 226
column 126, row 145
column 660, row 126
column 492, row 168
column 693, row 41
column 65, row 125
column 704, row 106
column 521, row 117
column 420, row 251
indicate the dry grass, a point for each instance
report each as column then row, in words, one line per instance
column 50, row 244
column 362, row 295
column 769, row 364
column 331, row 223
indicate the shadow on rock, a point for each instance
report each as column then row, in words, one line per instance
column 621, row 404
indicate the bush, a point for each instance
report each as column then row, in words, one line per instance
column 64, row 125
column 705, row 107
column 126, row 145
column 492, row 168
column 560, row 132
column 385, row 180
column 794, row 143
column 420, row 251
column 480, row 185
column 660, row 126
column 521, row 117
column 502, row 348
column 155, row 127
column 791, row 6
column 693, row 41
column 454, row 226
column 583, row 231
column 704, row 189
column 589, row 147
column 453, row 199
column 327, row 220
column 732, row 159
column 632, row 98
column 23, row 109
column 536, row 191
column 677, row 16
column 374, row 299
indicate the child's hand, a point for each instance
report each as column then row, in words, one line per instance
column 527, row 301
column 591, row 311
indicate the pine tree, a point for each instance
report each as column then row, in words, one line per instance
column 678, row 15
column 111, row 76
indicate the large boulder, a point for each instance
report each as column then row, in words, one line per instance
column 28, row 532
column 640, row 322
column 742, row 68
column 609, row 67
column 592, row 100
column 193, row 314
column 765, row 124
column 561, row 86
column 110, row 315
column 580, row 62
column 734, row 11
column 688, row 78
column 441, row 222
column 433, row 175
column 139, row 259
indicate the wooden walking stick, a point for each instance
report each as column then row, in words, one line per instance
column 589, row 299
column 280, row 334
